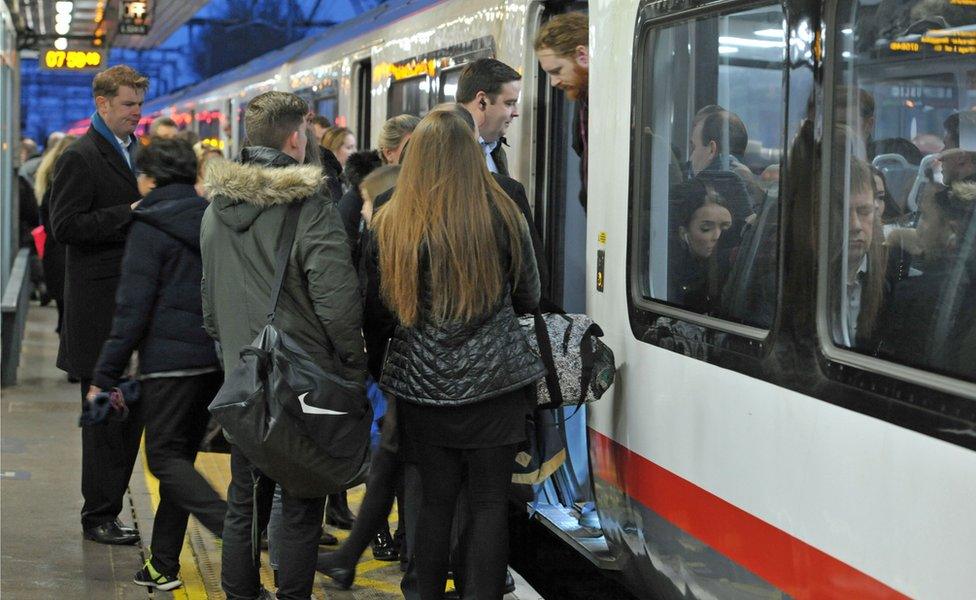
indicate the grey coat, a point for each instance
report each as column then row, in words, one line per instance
column 320, row 306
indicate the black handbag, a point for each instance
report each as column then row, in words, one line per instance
column 298, row 424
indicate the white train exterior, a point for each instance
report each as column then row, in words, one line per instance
column 811, row 471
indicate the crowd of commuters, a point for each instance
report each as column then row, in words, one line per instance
column 162, row 249
column 402, row 254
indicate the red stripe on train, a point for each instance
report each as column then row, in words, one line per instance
column 773, row 555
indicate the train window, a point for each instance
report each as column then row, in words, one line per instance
column 710, row 134
column 448, row 83
column 901, row 185
column 327, row 107
column 409, row 96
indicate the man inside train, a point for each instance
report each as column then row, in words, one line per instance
column 563, row 49
column 319, row 125
column 489, row 89
column 711, row 161
column 164, row 128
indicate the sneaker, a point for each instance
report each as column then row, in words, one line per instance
column 149, row 577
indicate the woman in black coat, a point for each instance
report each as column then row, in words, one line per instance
column 54, row 253
column 159, row 314
column 451, row 262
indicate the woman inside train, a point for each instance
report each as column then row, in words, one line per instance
column 699, row 217
column 450, row 263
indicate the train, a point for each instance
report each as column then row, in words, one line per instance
column 754, row 452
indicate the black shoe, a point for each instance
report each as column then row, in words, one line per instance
column 109, row 533
column 509, row 582
column 327, row 539
column 337, row 512
column 343, row 576
column 383, row 547
column 125, row 529
column 151, row 578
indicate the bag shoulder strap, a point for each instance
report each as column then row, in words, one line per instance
column 545, row 350
column 288, row 230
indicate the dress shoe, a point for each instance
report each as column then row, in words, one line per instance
column 383, row 547
column 327, row 539
column 124, row 528
column 337, row 512
column 509, row 582
column 329, row 565
column 109, row 533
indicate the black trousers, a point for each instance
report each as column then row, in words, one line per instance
column 488, row 473
column 176, row 421
column 301, row 524
column 108, row 452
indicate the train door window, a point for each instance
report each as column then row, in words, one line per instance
column 710, row 96
column 409, row 96
column 364, row 96
column 899, row 259
column 327, row 107
column 449, row 78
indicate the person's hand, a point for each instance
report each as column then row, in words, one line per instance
column 93, row 390
column 135, row 204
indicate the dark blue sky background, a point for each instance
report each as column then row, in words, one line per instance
column 52, row 101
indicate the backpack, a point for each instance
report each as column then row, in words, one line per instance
column 303, row 427
column 580, row 366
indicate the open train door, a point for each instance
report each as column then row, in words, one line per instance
column 565, row 502
column 364, row 83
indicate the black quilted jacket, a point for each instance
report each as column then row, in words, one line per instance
column 455, row 363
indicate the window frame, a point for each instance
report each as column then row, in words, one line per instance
column 650, row 21
column 829, row 349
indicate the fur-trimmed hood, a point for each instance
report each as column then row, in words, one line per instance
column 239, row 192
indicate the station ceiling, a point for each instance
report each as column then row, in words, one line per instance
column 37, row 21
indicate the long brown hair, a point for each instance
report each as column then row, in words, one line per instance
column 444, row 206
column 45, row 171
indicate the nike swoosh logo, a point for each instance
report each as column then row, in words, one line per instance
column 314, row 410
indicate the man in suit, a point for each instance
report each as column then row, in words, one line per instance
column 93, row 194
column 489, row 90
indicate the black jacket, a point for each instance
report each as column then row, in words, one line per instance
column 157, row 308
column 501, row 159
column 450, row 364
column 90, row 197
column 332, row 170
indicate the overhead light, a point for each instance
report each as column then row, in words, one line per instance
column 61, row 43
column 62, row 28
column 847, row 31
column 62, row 18
column 749, row 42
column 770, row 33
column 64, row 6
column 727, row 49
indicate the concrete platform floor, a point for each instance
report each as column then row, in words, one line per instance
column 42, row 552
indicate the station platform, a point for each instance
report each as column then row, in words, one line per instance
column 43, row 552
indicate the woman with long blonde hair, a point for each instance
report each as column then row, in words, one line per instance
column 53, row 260
column 449, row 265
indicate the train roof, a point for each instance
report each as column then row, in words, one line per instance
column 386, row 13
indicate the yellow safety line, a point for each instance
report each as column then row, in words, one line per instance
column 193, row 586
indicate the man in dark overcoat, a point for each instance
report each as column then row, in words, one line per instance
column 93, row 193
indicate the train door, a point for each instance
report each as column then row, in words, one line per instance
column 565, row 500
column 364, row 82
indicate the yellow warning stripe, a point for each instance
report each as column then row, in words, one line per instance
column 193, row 586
